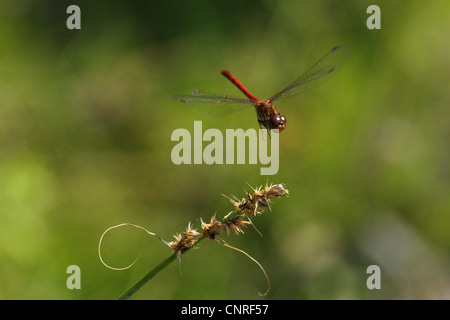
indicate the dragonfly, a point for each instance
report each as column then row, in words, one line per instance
column 217, row 105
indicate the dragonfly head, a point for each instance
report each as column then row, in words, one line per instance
column 277, row 121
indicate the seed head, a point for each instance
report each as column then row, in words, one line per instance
column 275, row 191
column 184, row 241
column 249, row 206
column 255, row 203
column 235, row 224
column 212, row 229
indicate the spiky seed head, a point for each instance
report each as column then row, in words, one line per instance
column 275, row 191
column 212, row 229
column 235, row 224
column 184, row 241
column 255, row 203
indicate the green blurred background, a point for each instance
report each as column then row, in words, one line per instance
column 86, row 122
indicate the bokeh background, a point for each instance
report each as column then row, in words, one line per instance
column 85, row 143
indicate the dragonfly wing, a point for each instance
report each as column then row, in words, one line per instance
column 320, row 72
column 214, row 105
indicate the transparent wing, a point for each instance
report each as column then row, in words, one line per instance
column 214, row 105
column 320, row 72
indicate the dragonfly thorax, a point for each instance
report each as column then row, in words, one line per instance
column 269, row 117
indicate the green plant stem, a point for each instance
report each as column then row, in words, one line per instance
column 127, row 294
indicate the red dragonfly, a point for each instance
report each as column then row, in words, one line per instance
column 268, row 116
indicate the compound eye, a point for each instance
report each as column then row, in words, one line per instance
column 274, row 120
column 278, row 121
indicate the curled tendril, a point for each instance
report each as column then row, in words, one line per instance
column 118, row 226
column 255, row 261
